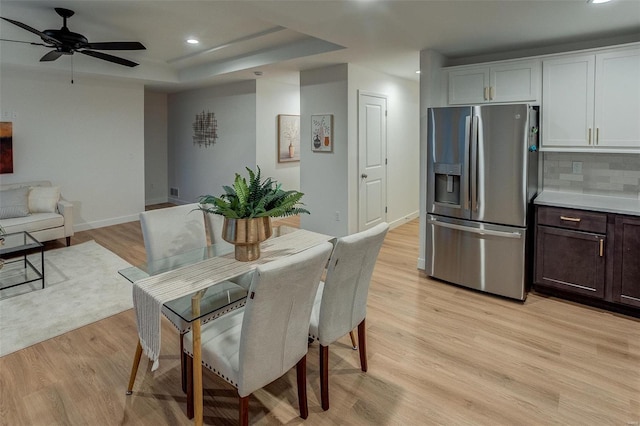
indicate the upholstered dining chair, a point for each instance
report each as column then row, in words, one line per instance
column 255, row 345
column 341, row 301
column 215, row 222
column 169, row 232
column 173, row 230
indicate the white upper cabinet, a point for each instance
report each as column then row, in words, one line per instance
column 617, row 99
column 515, row 81
column 567, row 101
column 591, row 102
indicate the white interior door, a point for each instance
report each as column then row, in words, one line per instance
column 372, row 160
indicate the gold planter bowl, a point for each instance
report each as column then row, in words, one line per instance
column 246, row 235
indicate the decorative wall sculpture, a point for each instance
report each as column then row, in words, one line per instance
column 205, row 129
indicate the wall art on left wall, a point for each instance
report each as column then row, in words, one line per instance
column 6, row 147
column 288, row 138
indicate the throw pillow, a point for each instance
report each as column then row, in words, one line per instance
column 44, row 199
column 14, row 203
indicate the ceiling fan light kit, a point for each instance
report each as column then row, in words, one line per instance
column 66, row 42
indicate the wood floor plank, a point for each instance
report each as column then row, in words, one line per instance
column 438, row 354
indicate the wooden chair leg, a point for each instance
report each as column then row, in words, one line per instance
column 244, row 410
column 134, row 368
column 68, row 241
column 189, row 370
column 362, row 341
column 324, row 376
column 183, row 364
column 353, row 340
column 301, row 372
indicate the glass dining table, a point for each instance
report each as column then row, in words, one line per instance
column 199, row 297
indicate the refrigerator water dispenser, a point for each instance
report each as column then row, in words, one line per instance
column 447, row 183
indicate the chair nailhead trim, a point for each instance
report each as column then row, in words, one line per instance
column 206, row 320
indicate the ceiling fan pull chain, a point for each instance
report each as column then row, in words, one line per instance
column 72, row 70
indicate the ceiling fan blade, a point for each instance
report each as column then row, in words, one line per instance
column 116, row 45
column 110, row 58
column 26, row 42
column 42, row 35
column 51, row 56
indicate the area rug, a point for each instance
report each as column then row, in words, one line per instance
column 82, row 285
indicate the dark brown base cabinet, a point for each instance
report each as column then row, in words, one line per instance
column 626, row 261
column 594, row 256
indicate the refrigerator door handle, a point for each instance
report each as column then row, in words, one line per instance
column 516, row 235
column 474, row 164
column 467, row 141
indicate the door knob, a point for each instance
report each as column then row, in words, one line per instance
column 364, row 176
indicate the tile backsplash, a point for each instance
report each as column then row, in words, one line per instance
column 598, row 174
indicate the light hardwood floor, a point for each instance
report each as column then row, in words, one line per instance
column 438, row 354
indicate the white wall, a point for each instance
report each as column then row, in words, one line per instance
column 330, row 180
column 156, row 161
column 87, row 137
column 197, row 170
column 273, row 98
column 432, row 94
column 403, row 142
column 323, row 176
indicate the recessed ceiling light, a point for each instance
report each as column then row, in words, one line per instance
column 598, row 1
column 192, row 41
column 418, row 72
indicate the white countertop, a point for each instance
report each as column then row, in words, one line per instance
column 598, row 203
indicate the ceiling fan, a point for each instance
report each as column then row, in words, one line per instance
column 65, row 42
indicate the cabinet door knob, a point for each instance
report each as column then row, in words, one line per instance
column 364, row 176
column 570, row 219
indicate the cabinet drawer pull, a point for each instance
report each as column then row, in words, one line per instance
column 570, row 219
column 601, row 248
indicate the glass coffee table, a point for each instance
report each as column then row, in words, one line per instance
column 20, row 253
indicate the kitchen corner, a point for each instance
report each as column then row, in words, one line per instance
column 587, row 227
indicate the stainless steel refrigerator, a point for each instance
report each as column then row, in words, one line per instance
column 482, row 174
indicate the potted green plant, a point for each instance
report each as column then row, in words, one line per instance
column 248, row 207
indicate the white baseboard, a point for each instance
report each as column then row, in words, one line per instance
column 105, row 222
column 159, row 200
column 403, row 220
column 421, row 263
column 178, row 201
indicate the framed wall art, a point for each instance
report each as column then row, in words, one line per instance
column 322, row 133
column 288, row 138
column 6, row 147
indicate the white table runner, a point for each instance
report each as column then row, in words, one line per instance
column 149, row 294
